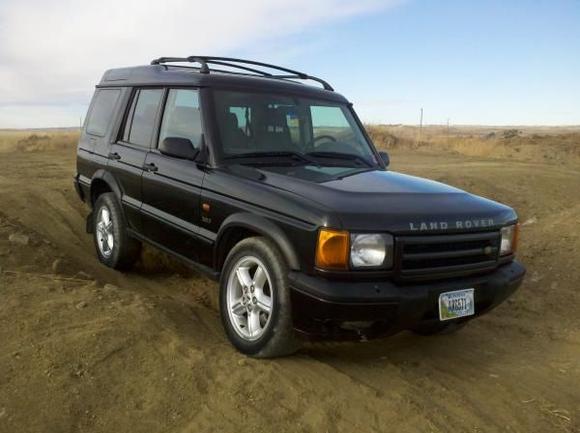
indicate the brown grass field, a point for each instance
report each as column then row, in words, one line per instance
column 87, row 349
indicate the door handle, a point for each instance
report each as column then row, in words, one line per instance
column 114, row 155
column 150, row 167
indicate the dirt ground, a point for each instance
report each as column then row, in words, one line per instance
column 87, row 349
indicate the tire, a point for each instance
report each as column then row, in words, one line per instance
column 115, row 248
column 439, row 328
column 252, row 327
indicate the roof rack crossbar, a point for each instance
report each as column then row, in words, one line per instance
column 306, row 77
column 204, row 69
column 245, row 68
column 224, row 71
column 233, row 63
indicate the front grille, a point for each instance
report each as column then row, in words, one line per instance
column 442, row 255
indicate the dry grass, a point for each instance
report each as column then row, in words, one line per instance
column 31, row 140
column 559, row 145
column 539, row 144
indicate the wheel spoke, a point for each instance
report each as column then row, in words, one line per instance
column 264, row 302
column 100, row 227
column 105, row 217
column 110, row 241
column 259, row 278
column 238, row 308
column 254, row 327
column 243, row 274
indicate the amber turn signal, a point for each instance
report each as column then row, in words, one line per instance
column 332, row 249
column 516, row 238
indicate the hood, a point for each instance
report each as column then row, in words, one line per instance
column 390, row 201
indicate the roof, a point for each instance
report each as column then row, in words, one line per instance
column 160, row 73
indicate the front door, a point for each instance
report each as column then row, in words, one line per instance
column 172, row 186
column 127, row 155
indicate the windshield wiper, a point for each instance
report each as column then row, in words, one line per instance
column 274, row 154
column 339, row 155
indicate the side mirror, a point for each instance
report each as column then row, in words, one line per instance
column 178, row 147
column 385, row 157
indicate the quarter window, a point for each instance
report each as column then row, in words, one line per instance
column 182, row 116
column 104, row 103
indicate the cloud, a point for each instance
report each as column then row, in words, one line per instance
column 54, row 51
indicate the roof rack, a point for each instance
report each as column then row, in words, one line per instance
column 241, row 64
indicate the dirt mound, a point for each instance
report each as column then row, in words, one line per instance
column 35, row 141
column 384, row 139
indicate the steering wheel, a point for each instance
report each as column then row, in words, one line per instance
column 320, row 137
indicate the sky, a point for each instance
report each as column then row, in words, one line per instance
column 492, row 62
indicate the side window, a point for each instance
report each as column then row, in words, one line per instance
column 242, row 119
column 329, row 121
column 105, row 101
column 332, row 131
column 182, row 116
column 140, row 122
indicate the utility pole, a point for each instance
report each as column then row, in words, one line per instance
column 420, row 126
column 448, row 130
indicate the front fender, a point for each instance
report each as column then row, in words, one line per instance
column 262, row 226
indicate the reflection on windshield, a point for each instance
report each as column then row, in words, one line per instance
column 256, row 125
column 318, row 174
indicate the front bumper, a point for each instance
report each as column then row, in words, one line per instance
column 332, row 309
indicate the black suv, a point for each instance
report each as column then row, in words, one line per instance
column 273, row 187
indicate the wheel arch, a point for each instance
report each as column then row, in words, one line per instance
column 101, row 182
column 240, row 226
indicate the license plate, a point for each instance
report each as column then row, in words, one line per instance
column 459, row 303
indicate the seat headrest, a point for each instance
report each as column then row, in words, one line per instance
column 232, row 120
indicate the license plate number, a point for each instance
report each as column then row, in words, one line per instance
column 459, row 303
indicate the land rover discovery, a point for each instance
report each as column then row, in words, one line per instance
column 272, row 186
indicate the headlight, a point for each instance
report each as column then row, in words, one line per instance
column 509, row 239
column 371, row 250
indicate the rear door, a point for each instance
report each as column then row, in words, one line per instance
column 127, row 154
column 172, row 186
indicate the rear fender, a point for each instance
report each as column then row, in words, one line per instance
column 112, row 184
column 109, row 179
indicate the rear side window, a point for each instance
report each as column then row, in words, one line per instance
column 104, row 103
column 140, row 122
column 182, row 117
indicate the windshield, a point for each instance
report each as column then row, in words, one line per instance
column 272, row 129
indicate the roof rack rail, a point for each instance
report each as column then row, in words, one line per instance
column 241, row 64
